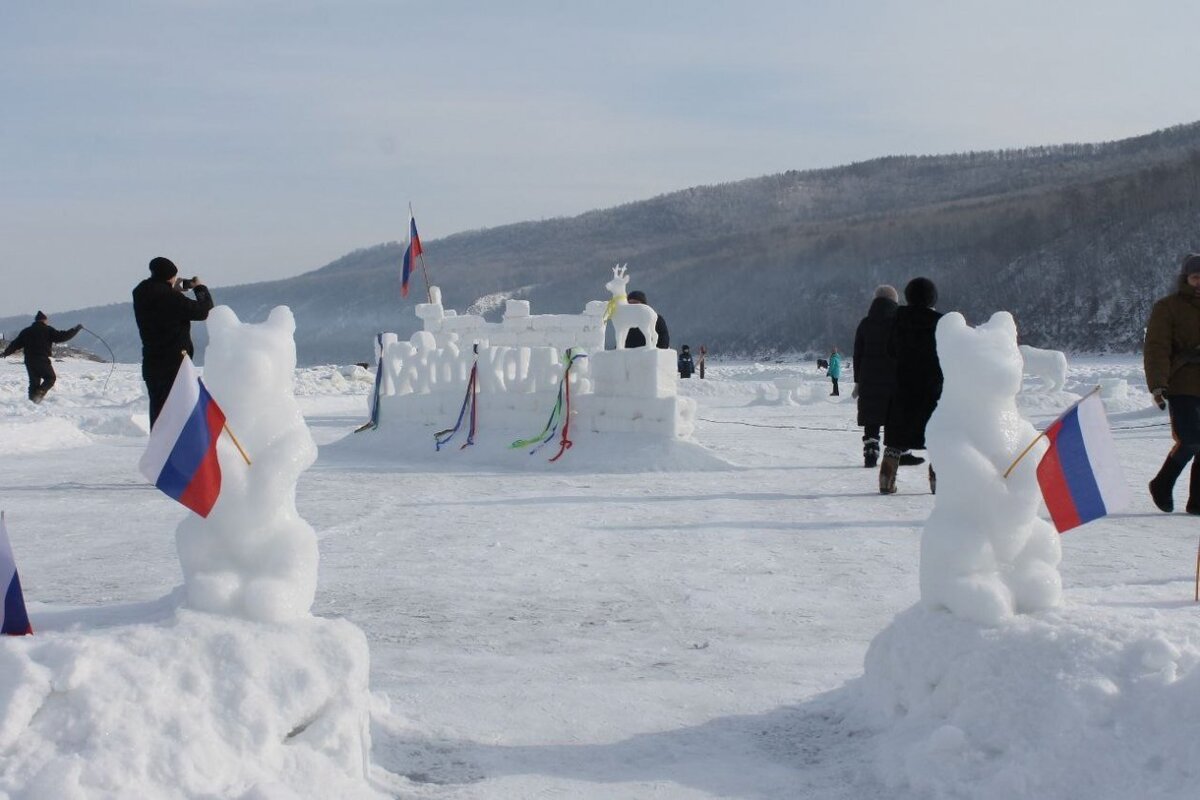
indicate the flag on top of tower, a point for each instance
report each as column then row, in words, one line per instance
column 1080, row 476
column 181, row 456
column 14, row 621
column 410, row 254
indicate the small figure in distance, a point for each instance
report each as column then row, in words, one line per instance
column 835, row 371
column 686, row 365
column 37, row 341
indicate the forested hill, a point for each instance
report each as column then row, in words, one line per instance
column 1075, row 240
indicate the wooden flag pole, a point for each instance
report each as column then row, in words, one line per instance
column 424, row 272
column 1042, row 435
column 238, row 445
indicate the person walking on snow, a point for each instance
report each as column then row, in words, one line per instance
column 875, row 369
column 913, row 343
column 37, row 341
column 1171, row 358
column 164, row 319
column 835, row 371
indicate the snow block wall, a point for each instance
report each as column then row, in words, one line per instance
column 985, row 553
column 520, row 367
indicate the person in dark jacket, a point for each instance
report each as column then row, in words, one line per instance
column 164, row 317
column 875, row 370
column 1171, row 357
column 37, row 341
column 686, row 365
column 913, row 344
column 635, row 338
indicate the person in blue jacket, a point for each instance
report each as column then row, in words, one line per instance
column 835, row 371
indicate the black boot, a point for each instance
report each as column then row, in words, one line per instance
column 888, row 470
column 909, row 460
column 870, row 453
column 1164, row 483
column 1193, row 503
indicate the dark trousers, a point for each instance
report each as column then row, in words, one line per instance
column 1185, row 427
column 871, row 433
column 835, row 387
column 41, row 378
column 158, row 388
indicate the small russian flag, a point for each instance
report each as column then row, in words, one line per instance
column 181, row 457
column 13, row 619
column 1080, row 475
column 410, row 254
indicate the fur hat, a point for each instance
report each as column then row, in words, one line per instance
column 921, row 292
column 163, row 268
column 887, row 292
column 638, row 295
column 40, row 317
column 1191, row 264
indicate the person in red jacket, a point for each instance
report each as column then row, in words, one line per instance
column 37, row 341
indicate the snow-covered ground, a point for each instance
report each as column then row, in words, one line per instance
column 690, row 628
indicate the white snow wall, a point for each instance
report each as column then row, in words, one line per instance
column 519, row 372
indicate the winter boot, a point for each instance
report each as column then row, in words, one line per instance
column 870, row 453
column 909, row 460
column 1164, row 482
column 887, row 471
column 1193, row 503
column 932, row 480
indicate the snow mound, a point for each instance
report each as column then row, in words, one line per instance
column 203, row 706
column 1090, row 703
column 38, row 434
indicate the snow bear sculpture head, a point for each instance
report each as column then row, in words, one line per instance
column 987, row 353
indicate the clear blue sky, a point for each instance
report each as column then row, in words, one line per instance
column 250, row 140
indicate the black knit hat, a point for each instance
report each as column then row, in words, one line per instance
column 638, row 295
column 1191, row 264
column 40, row 317
column 163, row 268
column 921, row 292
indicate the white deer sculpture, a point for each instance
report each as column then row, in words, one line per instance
column 625, row 315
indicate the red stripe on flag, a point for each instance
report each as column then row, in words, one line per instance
column 202, row 492
column 1055, row 491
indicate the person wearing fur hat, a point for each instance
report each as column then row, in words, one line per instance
column 164, row 317
column 913, row 344
column 1171, row 359
column 37, row 341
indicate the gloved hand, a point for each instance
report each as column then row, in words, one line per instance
column 1160, row 398
column 854, row 393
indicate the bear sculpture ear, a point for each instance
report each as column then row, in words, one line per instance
column 282, row 319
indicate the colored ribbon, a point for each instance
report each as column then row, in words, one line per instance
column 469, row 399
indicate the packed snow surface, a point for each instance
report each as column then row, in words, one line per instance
column 739, row 618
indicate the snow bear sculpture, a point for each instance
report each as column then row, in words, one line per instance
column 1049, row 365
column 254, row 556
column 985, row 554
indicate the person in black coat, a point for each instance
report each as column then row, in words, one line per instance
column 913, row 343
column 37, row 341
column 875, row 370
column 635, row 338
column 164, row 317
column 686, row 365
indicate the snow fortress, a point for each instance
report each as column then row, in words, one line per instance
column 520, row 366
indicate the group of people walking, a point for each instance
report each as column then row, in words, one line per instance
column 897, row 378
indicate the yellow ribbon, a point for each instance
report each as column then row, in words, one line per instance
column 611, row 308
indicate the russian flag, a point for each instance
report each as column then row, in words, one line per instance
column 1080, row 475
column 181, row 457
column 13, row 619
column 410, row 254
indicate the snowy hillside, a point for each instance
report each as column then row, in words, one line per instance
column 737, row 622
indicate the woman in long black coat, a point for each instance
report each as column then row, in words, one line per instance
column 913, row 343
column 875, row 370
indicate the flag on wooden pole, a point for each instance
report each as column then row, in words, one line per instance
column 411, row 253
column 1080, row 475
column 14, row 621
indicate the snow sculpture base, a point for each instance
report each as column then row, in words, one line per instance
column 985, row 553
column 198, row 706
column 254, row 556
column 1089, row 701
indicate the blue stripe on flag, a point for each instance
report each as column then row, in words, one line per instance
column 190, row 449
column 15, row 621
column 1077, row 469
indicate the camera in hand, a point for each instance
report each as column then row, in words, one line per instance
column 187, row 284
